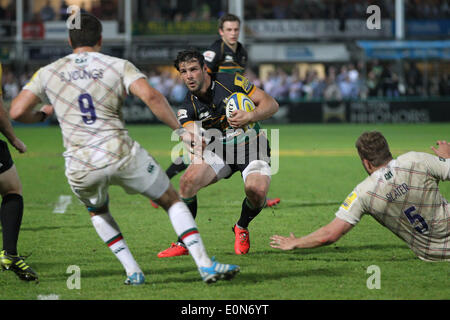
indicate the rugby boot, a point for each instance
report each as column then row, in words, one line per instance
column 272, row 202
column 218, row 271
column 15, row 263
column 175, row 250
column 242, row 240
column 154, row 204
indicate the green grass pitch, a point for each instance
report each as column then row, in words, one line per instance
column 318, row 168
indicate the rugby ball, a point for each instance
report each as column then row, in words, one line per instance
column 239, row 101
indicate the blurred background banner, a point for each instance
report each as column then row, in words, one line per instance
column 404, row 50
column 322, row 60
column 313, row 29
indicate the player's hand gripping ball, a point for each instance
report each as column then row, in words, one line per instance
column 239, row 101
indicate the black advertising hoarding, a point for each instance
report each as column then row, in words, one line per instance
column 358, row 111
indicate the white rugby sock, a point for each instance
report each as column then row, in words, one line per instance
column 186, row 229
column 109, row 232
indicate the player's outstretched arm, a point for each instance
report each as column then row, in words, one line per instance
column 443, row 149
column 22, row 108
column 326, row 235
column 157, row 103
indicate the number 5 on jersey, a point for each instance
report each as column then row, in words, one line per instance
column 416, row 217
column 83, row 100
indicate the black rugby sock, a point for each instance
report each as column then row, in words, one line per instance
column 11, row 213
column 248, row 213
column 191, row 204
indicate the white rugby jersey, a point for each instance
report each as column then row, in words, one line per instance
column 404, row 197
column 87, row 91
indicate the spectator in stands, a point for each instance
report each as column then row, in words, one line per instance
column 109, row 10
column 444, row 85
column 205, row 11
column 166, row 83
column 10, row 86
column 331, row 90
column 372, row 84
column 270, row 83
column 295, row 86
column 10, row 13
column 281, row 90
column 263, row 9
column 280, row 9
column 413, row 79
column 63, row 15
column 154, row 78
column 96, row 9
column 178, row 91
column 47, row 12
column 348, row 89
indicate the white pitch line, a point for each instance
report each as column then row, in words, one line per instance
column 48, row 297
column 62, row 204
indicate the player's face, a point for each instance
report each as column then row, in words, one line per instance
column 193, row 75
column 230, row 32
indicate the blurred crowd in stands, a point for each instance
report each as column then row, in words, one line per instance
column 342, row 9
column 105, row 10
column 182, row 10
column 338, row 82
column 355, row 81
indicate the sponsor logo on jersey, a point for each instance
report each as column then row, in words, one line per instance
column 182, row 114
column 204, row 115
column 209, row 55
column 80, row 60
column 388, row 175
column 349, row 201
column 242, row 82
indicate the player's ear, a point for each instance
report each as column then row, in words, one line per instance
column 100, row 41
column 368, row 165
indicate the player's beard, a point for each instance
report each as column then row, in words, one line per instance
column 196, row 90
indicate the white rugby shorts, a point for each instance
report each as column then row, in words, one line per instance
column 136, row 173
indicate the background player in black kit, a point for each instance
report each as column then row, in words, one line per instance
column 227, row 54
column 205, row 104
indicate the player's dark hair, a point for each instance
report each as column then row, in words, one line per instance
column 228, row 17
column 89, row 33
column 373, row 146
column 187, row 56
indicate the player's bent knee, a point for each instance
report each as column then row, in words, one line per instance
column 188, row 184
column 256, row 192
